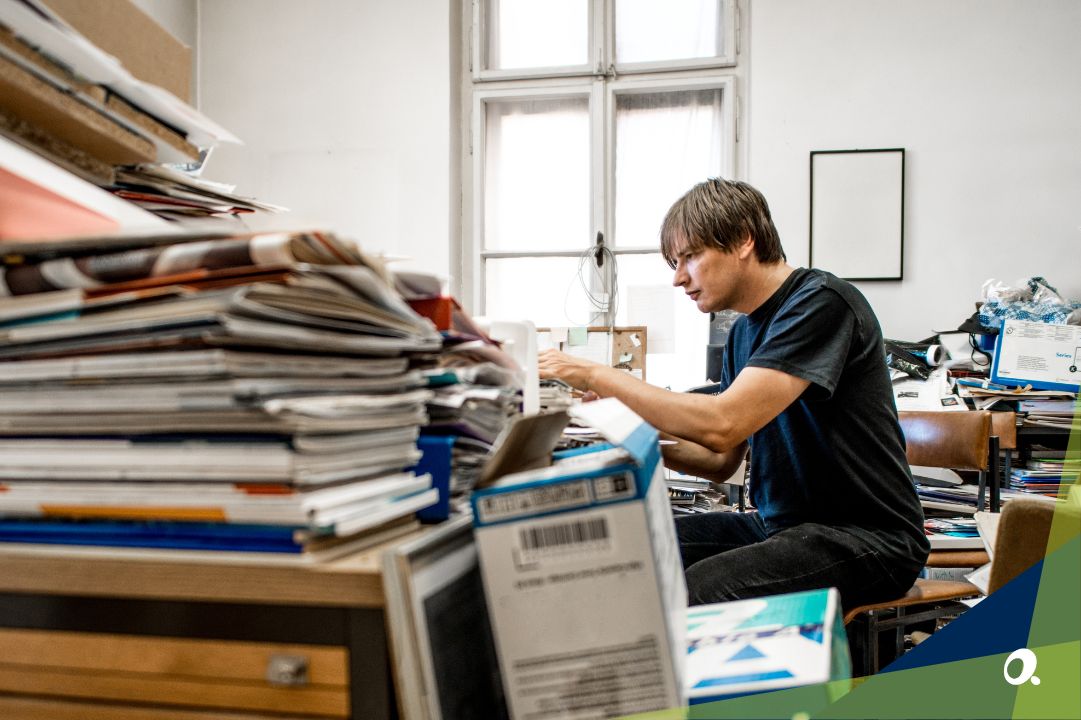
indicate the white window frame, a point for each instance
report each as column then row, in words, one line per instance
column 601, row 84
column 477, row 250
column 590, row 67
column 733, row 17
column 726, row 84
column 601, row 50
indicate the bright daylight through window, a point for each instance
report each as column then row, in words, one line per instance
column 588, row 119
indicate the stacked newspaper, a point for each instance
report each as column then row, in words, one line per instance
column 476, row 387
column 248, row 393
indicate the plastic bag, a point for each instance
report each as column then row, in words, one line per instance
column 1034, row 299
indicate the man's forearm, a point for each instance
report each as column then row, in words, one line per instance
column 693, row 459
column 684, row 415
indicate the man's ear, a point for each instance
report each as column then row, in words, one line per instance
column 745, row 248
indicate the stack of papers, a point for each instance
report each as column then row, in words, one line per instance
column 213, row 395
column 476, row 392
column 174, row 195
column 690, row 495
column 1051, row 412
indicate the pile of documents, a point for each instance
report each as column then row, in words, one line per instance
column 689, row 495
column 239, row 394
column 476, row 391
column 174, row 195
column 1060, row 412
column 555, row 395
column 1045, row 473
column 477, row 388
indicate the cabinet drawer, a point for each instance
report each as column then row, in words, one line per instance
column 219, row 674
column 28, row 708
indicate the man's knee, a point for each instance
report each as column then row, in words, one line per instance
column 706, row 585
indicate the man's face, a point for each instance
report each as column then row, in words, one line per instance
column 710, row 277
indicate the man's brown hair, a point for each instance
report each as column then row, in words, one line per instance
column 720, row 213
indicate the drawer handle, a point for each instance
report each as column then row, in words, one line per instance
column 291, row 670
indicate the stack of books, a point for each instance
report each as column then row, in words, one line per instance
column 1045, row 473
column 212, row 395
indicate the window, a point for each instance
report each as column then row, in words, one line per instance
column 588, row 119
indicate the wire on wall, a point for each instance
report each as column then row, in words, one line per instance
column 598, row 276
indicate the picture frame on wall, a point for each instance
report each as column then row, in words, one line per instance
column 857, row 225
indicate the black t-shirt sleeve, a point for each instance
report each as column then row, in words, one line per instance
column 810, row 339
column 728, row 360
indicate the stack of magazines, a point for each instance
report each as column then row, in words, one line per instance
column 1047, row 472
column 476, row 391
column 250, row 394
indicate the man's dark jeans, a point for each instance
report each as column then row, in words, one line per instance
column 729, row 556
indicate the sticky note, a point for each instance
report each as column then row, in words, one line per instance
column 577, row 336
column 559, row 335
column 626, row 357
column 635, row 340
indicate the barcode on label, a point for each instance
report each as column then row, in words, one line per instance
column 564, row 535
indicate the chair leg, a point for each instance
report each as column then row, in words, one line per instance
column 899, row 635
column 872, row 642
column 993, row 470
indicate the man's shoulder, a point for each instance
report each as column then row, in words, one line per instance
column 827, row 288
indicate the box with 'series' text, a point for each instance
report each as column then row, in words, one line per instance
column 1044, row 355
column 583, row 578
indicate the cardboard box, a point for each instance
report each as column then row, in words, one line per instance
column 771, row 643
column 145, row 48
column 1044, row 355
column 583, row 578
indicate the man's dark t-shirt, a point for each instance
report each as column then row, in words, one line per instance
column 836, row 456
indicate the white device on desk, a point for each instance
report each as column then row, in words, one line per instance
column 519, row 338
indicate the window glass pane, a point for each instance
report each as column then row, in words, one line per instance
column 666, row 142
column 647, row 30
column 544, row 290
column 676, row 332
column 531, row 34
column 536, row 181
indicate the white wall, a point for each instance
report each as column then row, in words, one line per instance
column 985, row 97
column 344, row 108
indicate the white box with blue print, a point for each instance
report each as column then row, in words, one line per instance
column 771, row 643
column 583, row 578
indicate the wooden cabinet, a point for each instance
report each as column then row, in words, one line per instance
column 92, row 636
column 217, row 674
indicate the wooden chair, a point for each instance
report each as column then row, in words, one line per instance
column 1024, row 537
column 1003, row 427
column 956, row 440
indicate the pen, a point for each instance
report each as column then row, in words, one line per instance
column 985, row 384
column 988, row 385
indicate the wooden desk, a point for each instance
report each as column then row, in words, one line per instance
column 92, row 637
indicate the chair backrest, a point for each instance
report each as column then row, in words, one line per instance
column 1004, row 427
column 957, row 440
column 1021, row 540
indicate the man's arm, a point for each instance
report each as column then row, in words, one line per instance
column 693, row 459
column 717, row 422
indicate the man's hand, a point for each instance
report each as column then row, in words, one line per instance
column 574, row 371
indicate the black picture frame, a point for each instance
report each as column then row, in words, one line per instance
column 857, row 213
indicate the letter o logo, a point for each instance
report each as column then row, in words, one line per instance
column 1028, row 667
